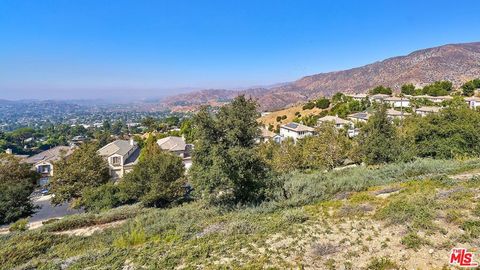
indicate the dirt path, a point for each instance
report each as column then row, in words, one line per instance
column 87, row 231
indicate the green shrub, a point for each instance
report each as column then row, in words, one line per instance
column 417, row 211
column 472, row 227
column 295, row 216
column 413, row 241
column 322, row 103
column 382, row 263
column 21, row 248
column 100, row 198
column 20, row 225
column 90, row 219
column 298, row 188
column 134, row 237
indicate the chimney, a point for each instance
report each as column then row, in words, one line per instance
column 132, row 142
column 9, row 151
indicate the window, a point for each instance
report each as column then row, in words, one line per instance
column 115, row 161
column 44, row 169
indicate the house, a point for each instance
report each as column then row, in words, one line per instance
column 397, row 102
column 359, row 117
column 267, row 135
column 358, row 97
column 44, row 162
column 78, row 140
column 473, row 102
column 339, row 122
column 433, row 99
column 423, row 111
column 295, row 131
column 379, row 98
column 175, row 145
column 178, row 146
column 121, row 156
column 394, row 114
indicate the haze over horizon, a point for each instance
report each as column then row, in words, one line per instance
column 150, row 49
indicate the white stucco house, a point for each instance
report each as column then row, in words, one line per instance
column 295, row 131
column 358, row 97
column 394, row 114
column 267, row 135
column 473, row 102
column 426, row 110
column 360, row 117
column 337, row 121
column 397, row 102
column 379, row 98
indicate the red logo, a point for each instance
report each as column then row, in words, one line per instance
column 462, row 258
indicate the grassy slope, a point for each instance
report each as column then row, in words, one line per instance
column 411, row 214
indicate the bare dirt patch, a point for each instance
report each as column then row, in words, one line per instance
column 87, row 231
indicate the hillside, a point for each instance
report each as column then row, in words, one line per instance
column 455, row 62
column 399, row 216
column 271, row 118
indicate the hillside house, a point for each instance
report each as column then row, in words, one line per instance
column 339, row 122
column 394, row 114
column 379, row 98
column 43, row 162
column 361, row 117
column 358, row 97
column 473, row 102
column 426, row 110
column 267, row 135
column 121, row 156
column 433, row 99
column 177, row 146
column 397, row 102
column 295, row 131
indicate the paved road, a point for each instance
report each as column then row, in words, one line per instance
column 48, row 211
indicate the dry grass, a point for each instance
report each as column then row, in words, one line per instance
column 289, row 112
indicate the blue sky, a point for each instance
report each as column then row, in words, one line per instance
column 133, row 49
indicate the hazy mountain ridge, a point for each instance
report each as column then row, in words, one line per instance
column 455, row 62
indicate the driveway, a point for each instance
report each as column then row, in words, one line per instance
column 48, row 211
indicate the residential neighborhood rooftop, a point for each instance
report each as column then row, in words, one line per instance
column 119, row 147
column 336, row 119
column 428, row 109
column 297, row 127
column 172, row 143
column 360, row 115
column 53, row 154
column 392, row 112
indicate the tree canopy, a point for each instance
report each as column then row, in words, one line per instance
column 83, row 168
column 378, row 140
column 381, row 90
column 17, row 182
column 155, row 179
column 226, row 168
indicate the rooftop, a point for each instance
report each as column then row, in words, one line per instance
column 392, row 112
column 428, row 109
column 297, row 127
column 336, row 119
column 172, row 143
column 119, row 147
column 51, row 155
column 360, row 115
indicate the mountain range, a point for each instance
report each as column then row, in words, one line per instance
column 454, row 62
